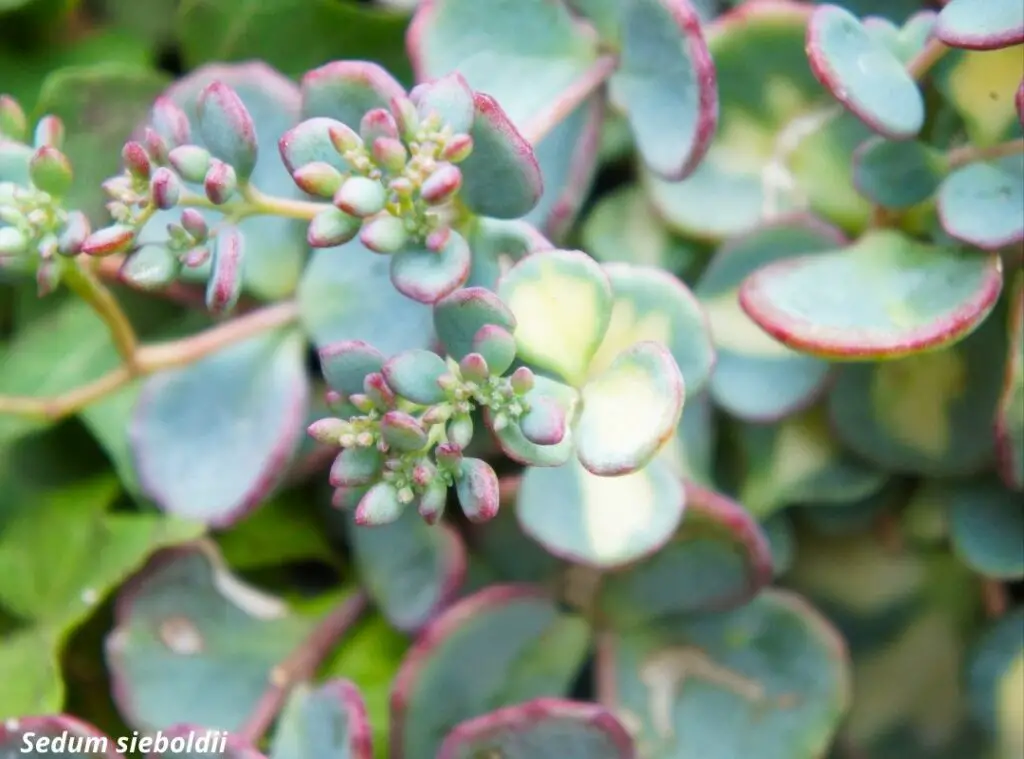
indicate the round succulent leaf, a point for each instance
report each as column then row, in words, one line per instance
column 980, row 203
column 328, row 720
column 978, row 85
column 410, row 569
column 459, row 317
column 345, row 364
column 897, row 174
column 501, row 177
column 43, row 736
column 346, row 294
column 544, row 728
column 863, row 74
column 774, row 670
column 497, row 346
column 770, row 103
column 884, row 296
column 501, row 646
column 629, row 410
column 986, row 524
column 174, row 654
column 413, row 374
column 929, row 413
column 799, row 461
column 568, row 160
column 426, row 276
column 276, row 247
column 498, row 47
column 509, row 552
column 1010, row 412
column 622, row 227
column 310, row 142
column 211, row 439
column 514, row 443
column 981, row 25
column 757, row 378
column 600, row 521
column 227, row 128
column 904, row 41
column 665, row 83
column 995, row 672
column 234, row 747
column 562, row 304
column 719, row 559
column 347, row 90
column 477, row 490
column 652, row 305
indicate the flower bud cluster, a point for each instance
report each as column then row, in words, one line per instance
column 36, row 230
column 399, row 182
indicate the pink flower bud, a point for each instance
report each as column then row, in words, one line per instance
column 377, row 123
column 360, row 196
column 441, row 185
column 156, row 145
column 318, row 178
column 384, row 234
column 49, row 132
column 438, row 239
column 458, row 148
column 390, row 154
column 194, row 224
column 170, row 122
column 136, row 160
column 344, row 138
column 109, row 240
column 220, row 182
column 165, row 188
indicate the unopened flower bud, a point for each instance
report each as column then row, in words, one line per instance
column 474, row 368
column 194, row 224
column 136, row 160
column 220, row 182
column 360, row 196
column 49, row 132
column 377, row 123
column 344, row 138
column 441, row 185
column 13, row 123
column 522, row 380
column 109, row 240
column 195, row 257
column 384, row 234
column 156, row 146
column 390, row 154
column 165, row 188
column 438, row 239
column 74, row 234
column 406, row 116
column 190, row 161
column 460, row 431
column 318, row 178
column 458, row 148
column 327, row 431
column 402, row 186
column 332, row 227
column 170, row 122
column 50, row 170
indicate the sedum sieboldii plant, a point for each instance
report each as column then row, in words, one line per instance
column 552, row 378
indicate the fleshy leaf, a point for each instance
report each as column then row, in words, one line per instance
column 459, row 317
column 980, row 203
column 986, row 525
column 718, row 560
column 756, row 378
column 897, row 174
column 568, row 160
column 276, row 248
column 666, row 84
column 45, row 736
column 544, row 728
column 410, row 569
column 346, row 90
column 499, row 647
column 550, row 49
column 966, row 77
column 774, row 669
column 346, row 294
column 562, row 304
column 511, row 555
column 327, row 721
column 630, row 410
column 451, row 98
column 995, row 678
column 227, row 128
column 800, row 462
column 477, row 489
column 863, row 74
column 600, row 521
column 1010, row 412
column 875, row 298
column 497, row 244
column 174, row 653
column 414, row 374
column 310, row 142
column 515, row 444
column 925, row 414
column 981, row 25
column 211, row 439
column 427, row 276
column 501, row 177
column 651, row 305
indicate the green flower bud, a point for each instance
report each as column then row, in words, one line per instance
column 50, row 171
column 190, row 161
column 384, row 234
column 360, row 196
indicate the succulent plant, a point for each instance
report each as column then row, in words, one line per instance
column 473, row 379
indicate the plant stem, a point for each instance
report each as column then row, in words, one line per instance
column 255, row 203
column 149, row 359
column 929, row 55
column 969, row 153
column 582, row 88
column 85, row 284
column 302, row 665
